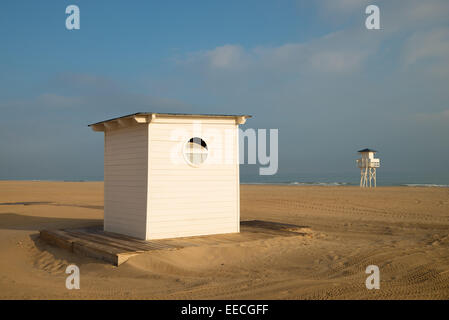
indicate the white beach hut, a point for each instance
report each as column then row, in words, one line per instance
column 171, row 175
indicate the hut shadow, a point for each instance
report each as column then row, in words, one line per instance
column 270, row 225
column 14, row 221
column 49, row 203
column 274, row 228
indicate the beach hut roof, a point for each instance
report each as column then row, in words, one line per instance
column 142, row 117
column 366, row 150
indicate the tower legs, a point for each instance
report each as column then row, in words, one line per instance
column 368, row 177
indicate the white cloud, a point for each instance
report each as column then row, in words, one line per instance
column 430, row 10
column 345, row 51
column 336, row 61
column 339, row 52
column 227, row 56
column 433, row 44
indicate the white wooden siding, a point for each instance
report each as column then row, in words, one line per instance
column 125, row 180
column 151, row 192
column 184, row 200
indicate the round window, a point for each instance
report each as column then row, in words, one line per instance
column 195, row 151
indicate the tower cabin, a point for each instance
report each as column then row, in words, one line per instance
column 171, row 175
column 368, row 164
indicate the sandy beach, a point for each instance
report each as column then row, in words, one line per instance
column 403, row 230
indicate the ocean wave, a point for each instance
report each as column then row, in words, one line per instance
column 425, row 185
column 297, row 183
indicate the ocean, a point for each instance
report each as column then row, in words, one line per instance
column 350, row 179
column 411, row 179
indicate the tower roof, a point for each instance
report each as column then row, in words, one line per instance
column 366, row 150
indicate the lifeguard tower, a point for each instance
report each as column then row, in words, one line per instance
column 368, row 164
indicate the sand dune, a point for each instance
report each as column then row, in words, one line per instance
column 403, row 230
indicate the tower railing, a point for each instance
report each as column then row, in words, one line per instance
column 370, row 163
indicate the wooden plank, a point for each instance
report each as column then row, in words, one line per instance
column 111, row 245
column 93, row 252
column 159, row 243
column 98, row 246
column 57, row 238
column 132, row 245
column 117, row 248
column 65, row 241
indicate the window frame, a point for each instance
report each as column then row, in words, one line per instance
column 186, row 154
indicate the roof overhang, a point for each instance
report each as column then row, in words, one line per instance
column 366, row 150
column 147, row 117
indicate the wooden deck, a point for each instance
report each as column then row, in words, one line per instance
column 117, row 248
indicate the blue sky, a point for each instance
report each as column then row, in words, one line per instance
column 308, row 68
